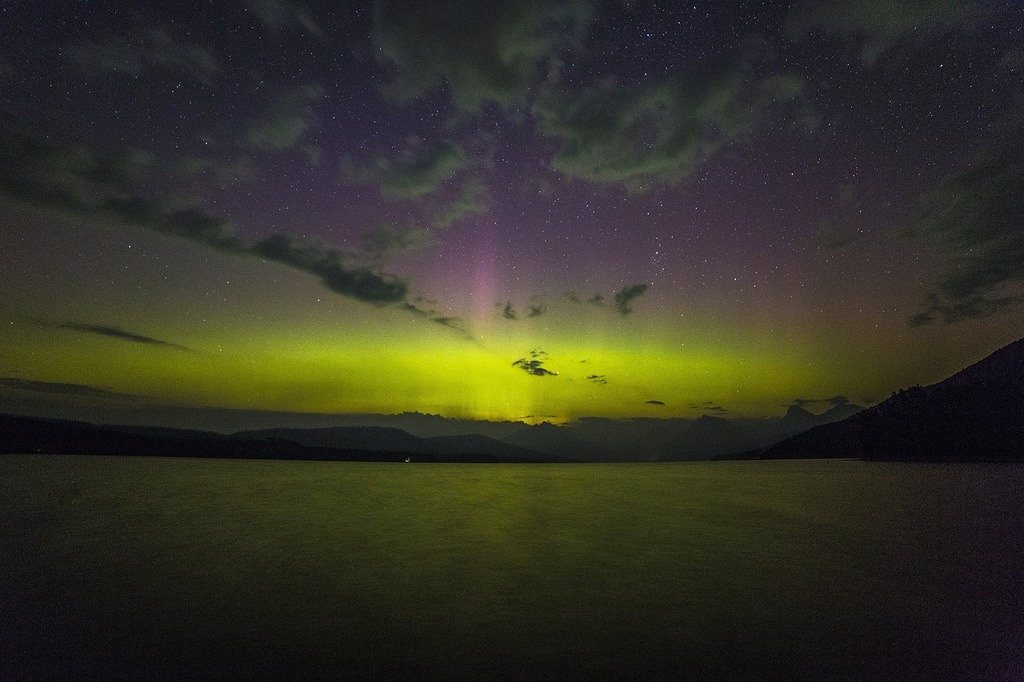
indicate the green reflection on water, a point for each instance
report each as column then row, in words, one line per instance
column 735, row 569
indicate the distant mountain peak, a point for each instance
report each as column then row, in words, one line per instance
column 799, row 415
column 975, row 415
column 839, row 412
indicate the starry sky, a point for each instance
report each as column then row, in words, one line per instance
column 531, row 209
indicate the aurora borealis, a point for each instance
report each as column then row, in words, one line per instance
column 525, row 209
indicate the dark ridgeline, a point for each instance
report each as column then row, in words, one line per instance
column 23, row 435
column 388, row 439
column 975, row 415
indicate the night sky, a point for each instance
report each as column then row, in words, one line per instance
column 521, row 209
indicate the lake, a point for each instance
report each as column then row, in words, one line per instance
column 155, row 568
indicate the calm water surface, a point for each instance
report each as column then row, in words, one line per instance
column 168, row 568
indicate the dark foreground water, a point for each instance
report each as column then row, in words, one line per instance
column 171, row 568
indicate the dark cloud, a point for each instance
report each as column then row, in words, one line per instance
column 656, row 133
column 285, row 121
column 653, row 402
column 627, row 295
column 482, row 56
column 975, row 216
column 597, row 300
column 951, row 312
column 73, row 179
column 449, row 321
column 536, row 308
column 120, row 334
column 334, row 269
column 278, row 16
column 193, row 224
column 534, row 367
column 539, row 305
column 597, row 379
column 425, row 309
column 63, row 176
column 417, row 170
column 147, row 49
column 74, row 390
column 534, row 364
column 709, row 406
column 472, row 199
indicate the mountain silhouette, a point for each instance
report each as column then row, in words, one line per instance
column 370, row 438
column 473, row 443
column 839, row 413
column 975, row 415
column 798, row 419
column 557, row 441
column 388, row 439
column 20, row 434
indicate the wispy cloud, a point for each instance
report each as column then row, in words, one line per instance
column 415, row 171
column 709, row 406
column 238, row 170
column 279, row 16
column 641, row 136
column 493, row 56
column 879, row 25
column 425, row 309
column 120, row 334
column 67, row 389
column 472, row 199
column 975, row 218
column 283, row 124
column 147, row 49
